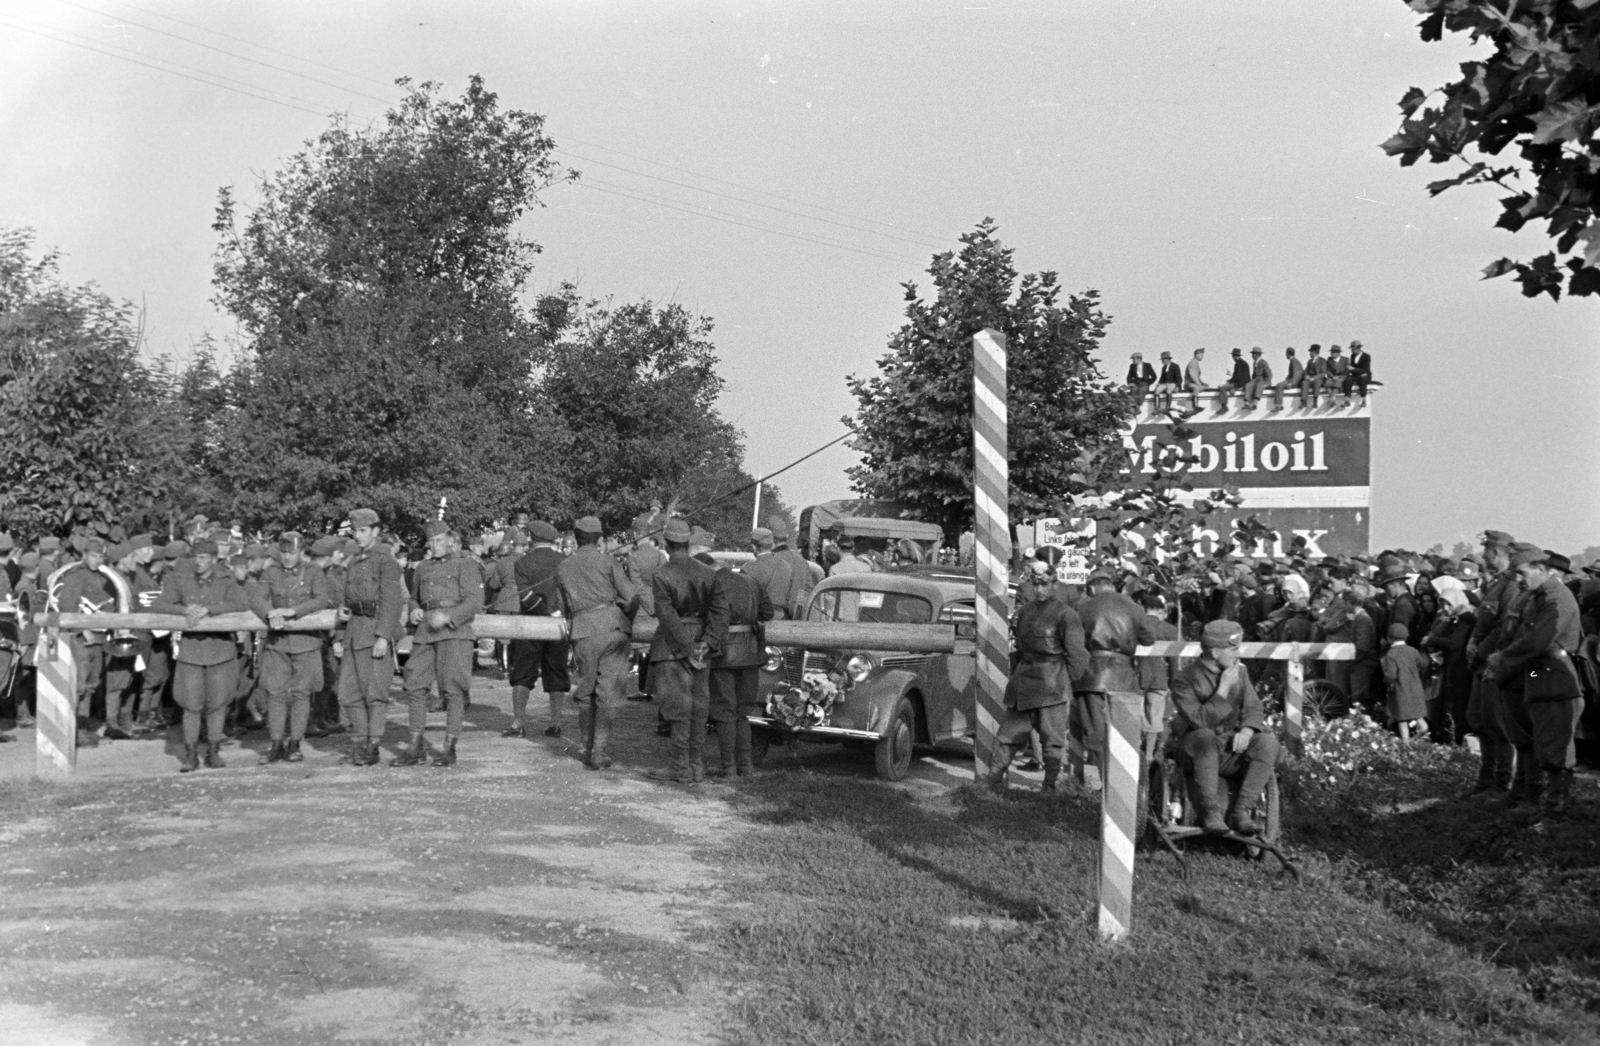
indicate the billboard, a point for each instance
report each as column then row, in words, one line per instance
column 1302, row 472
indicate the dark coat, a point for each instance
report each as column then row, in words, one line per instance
column 303, row 590
column 535, row 576
column 1207, row 698
column 736, row 619
column 1141, row 374
column 1537, row 657
column 219, row 593
column 686, row 598
column 453, row 584
column 1113, row 628
column 1049, row 655
column 373, row 579
column 1171, row 374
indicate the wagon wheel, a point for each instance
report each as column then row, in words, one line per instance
column 1324, row 699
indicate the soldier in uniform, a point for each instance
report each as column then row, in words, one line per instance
column 156, row 647
column 207, row 662
column 326, row 707
column 599, row 601
column 1113, row 627
column 642, row 563
column 446, row 596
column 1484, row 706
column 534, row 581
column 742, row 606
column 686, row 599
column 772, row 572
column 801, row 578
column 1048, row 653
column 372, row 602
column 1219, row 730
column 84, row 590
column 291, row 662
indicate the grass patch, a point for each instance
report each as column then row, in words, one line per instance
column 868, row 918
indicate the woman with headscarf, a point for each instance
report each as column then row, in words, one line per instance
column 1447, row 641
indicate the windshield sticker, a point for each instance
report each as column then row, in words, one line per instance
column 871, row 600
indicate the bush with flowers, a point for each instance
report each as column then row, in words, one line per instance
column 1342, row 751
column 807, row 704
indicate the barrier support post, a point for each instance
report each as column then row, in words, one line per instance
column 1294, row 699
column 991, row 504
column 1119, row 797
column 56, row 748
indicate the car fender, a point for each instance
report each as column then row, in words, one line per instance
column 888, row 688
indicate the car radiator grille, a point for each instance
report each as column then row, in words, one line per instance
column 796, row 663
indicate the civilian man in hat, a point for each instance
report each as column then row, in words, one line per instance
column 1219, row 731
column 1485, row 709
column 1048, row 654
column 1294, row 379
column 1260, row 378
column 207, row 663
column 1168, row 382
column 85, row 590
column 1113, row 627
column 291, row 662
column 447, row 593
column 371, row 595
column 599, row 601
column 1316, row 376
column 1194, row 381
column 1141, row 376
column 686, row 600
column 739, row 611
column 538, row 593
column 801, row 577
column 1359, row 375
column 769, row 570
column 1338, row 374
column 1238, row 379
column 1539, row 685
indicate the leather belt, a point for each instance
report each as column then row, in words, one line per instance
column 363, row 608
column 449, row 605
column 736, row 629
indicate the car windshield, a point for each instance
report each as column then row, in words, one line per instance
column 849, row 604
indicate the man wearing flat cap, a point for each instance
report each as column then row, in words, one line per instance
column 599, row 602
column 446, row 594
column 538, row 593
column 1219, row 730
column 1539, row 685
column 687, row 599
column 207, row 663
column 1484, row 712
column 1141, row 376
column 291, row 662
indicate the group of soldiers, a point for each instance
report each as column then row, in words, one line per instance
column 1331, row 380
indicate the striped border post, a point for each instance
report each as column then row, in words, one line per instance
column 1119, row 796
column 1294, row 699
column 56, row 752
column 991, row 497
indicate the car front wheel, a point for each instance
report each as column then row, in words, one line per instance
column 892, row 754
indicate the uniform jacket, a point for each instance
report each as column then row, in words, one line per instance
column 454, row 584
column 303, row 590
column 1297, row 371
column 1207, row 698
column 1049, row 654
column 1141, row 374
column 1495, row 597
column 742, row 605
column 596, row 594
column 1113, row 627
column 775, row 575
column 500, row 585
column 534, row 579
column 373, row 588
column 219, row 593
column 1537, row 656
column 1170, row 374
column 643, row 562
column 85, row 591
column 686, row 599
column 851, row 564
column 801, row 581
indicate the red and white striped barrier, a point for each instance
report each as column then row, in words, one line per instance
column 991, row 498
column 1119, row 798
column 56, row 752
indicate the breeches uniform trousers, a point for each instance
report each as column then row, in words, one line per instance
column 290, row 680
column 1204, row 755
column 1051, row 721
column 204, row 691
column 446, row 663
column 157, row 670
column 1540, row 731
column 602, row 662
column 121, row 678
column 364, row 691
column 91, row 661
column 1485, row 715
column 735, row 693
column 685, row 696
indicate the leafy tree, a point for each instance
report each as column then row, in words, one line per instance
column 1540, row 91
column 87, row 440
column 914, row 420
column 390, row 362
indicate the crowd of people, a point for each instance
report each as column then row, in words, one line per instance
column 1334, row 380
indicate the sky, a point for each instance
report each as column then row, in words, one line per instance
column 1211, row 169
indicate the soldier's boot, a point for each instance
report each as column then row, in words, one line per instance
column 447, row 757
column 370, row 755
column 276, row 752
column 1052, row 775
column 414, row 754
column 1000, row 769
column 1557, row 792
column 1210, row 808
column 1488, row 766
column 191, row 760
column 292, row 753
column 214, row 757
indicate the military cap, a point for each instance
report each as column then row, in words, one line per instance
column 139, row 541
column 49, row 543
column 1469, row 569
column 542, row 531
column 761, row 536
column 28, row 560
column 118, row 552
column 588, row 525
column 363, row 517
column 435, row 527
column 1221, row 635
column 6, row 543
column 1523, row 553
column 238, row 559
column 677, row 532
column 204, row 547
column 1558, row 562
column 256, row 550
column 94, row 544
column 290, row 541
column 1497, row 539
column 1102, row 574
column 1399, row 632
column 324, row 546
column 779, row 527
column 176, row 549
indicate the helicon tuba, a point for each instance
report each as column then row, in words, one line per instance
column 123, row 642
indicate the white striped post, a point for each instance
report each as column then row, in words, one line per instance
column 56, row 751
column 1294, row 699
column 1119, row 798
column 991, row 497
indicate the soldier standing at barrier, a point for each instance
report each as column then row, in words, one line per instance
column 291, row 662
column 207, row 666
column 686, row 598
column 325, row 706
column 1048, row 654
column 772, row 572
column 599, row 601
column 742, row 606
column 1484, row 709
column 801, row 578
column 534, row 581
column 372, row 599
column 156, row 647
column 84, row 590
column 446, row 596
column 1113, row 628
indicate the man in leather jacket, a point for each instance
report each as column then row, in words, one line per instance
column 686, row 600
column 1113, row 628
column 1048, row 653
column 738, row 613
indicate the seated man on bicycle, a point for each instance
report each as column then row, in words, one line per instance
column 1218, row 730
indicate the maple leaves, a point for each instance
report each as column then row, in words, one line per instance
column 1540, row 90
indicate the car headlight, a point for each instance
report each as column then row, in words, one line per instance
column 774, row 659
column 858, row 667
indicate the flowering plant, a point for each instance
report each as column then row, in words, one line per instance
column 1340, row 751
column 805, row 705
